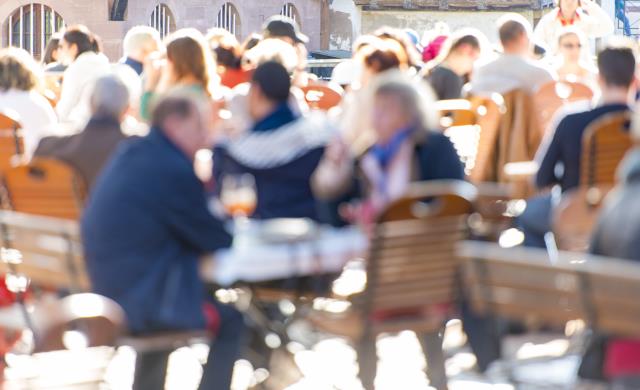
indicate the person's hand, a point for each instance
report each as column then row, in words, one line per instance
column 154, row 65
column 337, row 152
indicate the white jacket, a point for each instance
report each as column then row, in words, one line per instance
column 594, row 23
column 79, row 77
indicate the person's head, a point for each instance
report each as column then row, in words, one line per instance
column 109, row 98
column 400, row 102
column 284, row 28
column 568, row 7
column 51, row 51
column 271, row 50
column 617, row 66
column 225, row 48
column 77, row 40
column 515, row 31
column 400, row 38
column 380, row 56
column 571, row 44
column 250, row 42
column 344, row 74
column 270, row 86
column 462, row 49
column 184, row 119
column 140, row 42
column 18, row 70
column 189, row 60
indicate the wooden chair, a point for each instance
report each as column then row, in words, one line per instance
column 555, row 94
column 469, row 123
column 604, row 144
column 11, row 143
column 322, row 96
column 46, row 187
column 411, row 274
column 525, row 285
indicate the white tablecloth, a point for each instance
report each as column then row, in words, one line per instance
column 257, row 261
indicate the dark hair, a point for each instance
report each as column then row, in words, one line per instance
column 227, row 57
column 249, row 43
column 451, row 44
column 273, row 80
column 169, row 106
column 383, row 55
column 80, row 36
column 52, row 46
column 617, row 66
column 510, row 31
column 394, row 34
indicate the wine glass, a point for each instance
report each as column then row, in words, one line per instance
column 238, row 195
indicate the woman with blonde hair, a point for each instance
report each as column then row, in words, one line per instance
column 448, row 72
column 187, row 63
column 19, row 93
column 408, row 147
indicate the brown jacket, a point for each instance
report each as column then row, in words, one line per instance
column 87, row 151
column 514, row 138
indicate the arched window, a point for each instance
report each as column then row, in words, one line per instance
column 162, row 20
column 291, row 11
column 229, row 19
column 30, row 27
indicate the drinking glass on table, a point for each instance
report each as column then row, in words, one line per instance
column 239, row 198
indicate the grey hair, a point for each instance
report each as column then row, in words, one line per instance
column 110, row 97
column 416, row 96
column 140, row 38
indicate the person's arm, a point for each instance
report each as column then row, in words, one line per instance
column 71, row 91
column 334, row 175
column 548, row 156
column 439, row 160
column 186, row 210
column 598, row 24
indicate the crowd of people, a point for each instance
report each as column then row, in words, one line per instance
column 133, row 129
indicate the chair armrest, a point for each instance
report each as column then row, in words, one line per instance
column 519, row 171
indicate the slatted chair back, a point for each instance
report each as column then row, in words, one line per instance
column 554, row 95
column 412, row 265
column 490, row 110
column 604, row 143
column 11, row 142
column 322, row 96
column 521, row 284
column 46, row 187
column 469, row 123
column 50, row 250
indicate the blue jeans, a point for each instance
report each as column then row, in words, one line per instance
column 151, row 367
column 535, row 221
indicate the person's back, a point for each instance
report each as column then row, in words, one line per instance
column 513, row 69
column 281, row 151
column 89, row 151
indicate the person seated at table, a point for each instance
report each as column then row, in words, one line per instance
column 90, row 150
column 621, row 356
column 81, row 51
column 189, row 64
column 51, row 60
column 513, row 69
column 19, row 92
column 226, row 50
column 281, row 150
column 448, row 73
column 571, row 63
column 616, row 66
column 144, row 229
column 407, row 149
column 138, row 44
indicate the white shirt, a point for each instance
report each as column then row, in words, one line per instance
column 34, row 113
column 509, row 72
column 594, row 23
column 77, row 84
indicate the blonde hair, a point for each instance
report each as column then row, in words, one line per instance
column 18, row 70
column 140, row 38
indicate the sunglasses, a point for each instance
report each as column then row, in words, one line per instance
column 572, row 45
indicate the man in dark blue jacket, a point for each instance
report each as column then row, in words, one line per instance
column 560, row 156
column 281, row 150
column 145, row 228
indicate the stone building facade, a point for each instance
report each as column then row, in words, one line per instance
column 19, row 18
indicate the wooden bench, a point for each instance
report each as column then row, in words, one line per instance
column 52, row 258
column 604, row 144
column 526, row 285
column 411, row 275
column 46, row 187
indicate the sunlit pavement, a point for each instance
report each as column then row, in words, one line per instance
column 540, row 362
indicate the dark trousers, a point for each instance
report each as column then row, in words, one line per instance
column 151, row 367
column 484, row 336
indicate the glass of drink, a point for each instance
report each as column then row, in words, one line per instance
column 238, row 195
